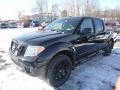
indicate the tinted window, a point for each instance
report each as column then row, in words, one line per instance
column 66, row 24
column 98, row 26
column 87, row 23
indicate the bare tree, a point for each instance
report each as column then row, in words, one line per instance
column 20, row 14
column 82, row 7
column 78, row 7
column 64, row 13
column 74, row 7
column 118, row 15
column 111, row 14
column 42, row 6
column 54, row 9
column 70, row 6
column 91, row 7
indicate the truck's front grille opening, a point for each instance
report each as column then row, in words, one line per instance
column 17, row 48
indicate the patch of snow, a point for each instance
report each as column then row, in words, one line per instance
column 13, row 79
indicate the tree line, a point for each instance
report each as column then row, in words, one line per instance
column 76, row 8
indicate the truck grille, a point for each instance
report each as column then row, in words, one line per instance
column 17, row 48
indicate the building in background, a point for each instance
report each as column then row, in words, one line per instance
column 44, row 17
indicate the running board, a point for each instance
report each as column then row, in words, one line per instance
column 85, row 59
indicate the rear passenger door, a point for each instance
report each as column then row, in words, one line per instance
column 99, row 34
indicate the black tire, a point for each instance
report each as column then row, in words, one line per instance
column 108, row 49
column 59, row 70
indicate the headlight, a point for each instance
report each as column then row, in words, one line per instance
column 33, row 50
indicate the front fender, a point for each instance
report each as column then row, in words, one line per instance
column 53, row 49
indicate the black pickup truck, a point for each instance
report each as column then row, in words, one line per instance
column 56, row 50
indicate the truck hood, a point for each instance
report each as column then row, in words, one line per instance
column 37, row 36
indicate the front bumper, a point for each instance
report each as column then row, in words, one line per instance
column 32, row 68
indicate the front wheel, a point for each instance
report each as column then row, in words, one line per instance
column 108, row 49
column 59, row 70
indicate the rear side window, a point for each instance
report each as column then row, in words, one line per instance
column 98, row 26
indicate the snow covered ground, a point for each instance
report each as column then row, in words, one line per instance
column 7, row 34
column 98, row 73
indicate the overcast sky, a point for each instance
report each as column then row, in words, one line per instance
column 9, row 8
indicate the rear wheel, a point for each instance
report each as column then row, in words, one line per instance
column 108, row 49
column 59, row 70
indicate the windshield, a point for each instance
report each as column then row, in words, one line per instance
column 65, row 25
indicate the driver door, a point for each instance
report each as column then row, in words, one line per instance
column 85, row 43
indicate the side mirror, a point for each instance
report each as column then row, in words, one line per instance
column 86, row 31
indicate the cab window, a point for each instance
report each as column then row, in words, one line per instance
column 87, row 24
column 98, row 26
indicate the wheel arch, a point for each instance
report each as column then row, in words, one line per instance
column 68, row 53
